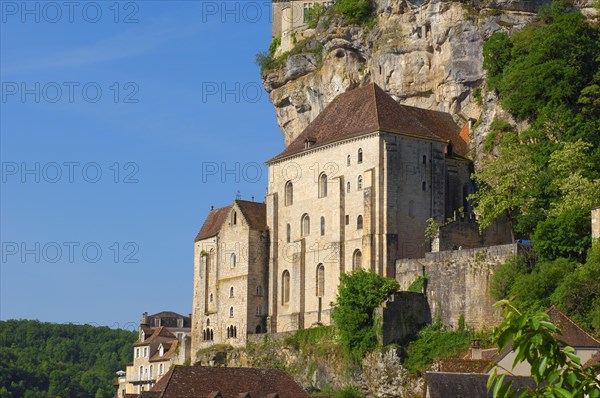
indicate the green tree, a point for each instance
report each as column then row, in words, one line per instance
column 555, row 368
column 359, row 294
column 496, row 55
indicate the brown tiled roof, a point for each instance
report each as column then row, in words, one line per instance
column 369, row 109
column 213, row 223
column 198, row 381
column 571, row 333
column 170, row 348
column 462, row 385
column 169, row 319
column 255, row 214
column 460, row 365
column 157, row 333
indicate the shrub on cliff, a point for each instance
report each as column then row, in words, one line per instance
column 359, row 294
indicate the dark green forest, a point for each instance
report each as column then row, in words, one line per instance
column 61, row 360
column 545, row 178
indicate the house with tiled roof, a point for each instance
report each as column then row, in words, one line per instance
column 164, row 340
column 209, row 382
column 230, row 275
column 460, row 377
column 354, row 191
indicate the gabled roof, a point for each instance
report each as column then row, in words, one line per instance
column 160, row 332
column 255, row 213
column 471, row 385
column 570, row 332
column 198, row 381
column 213, row 223
column 369, row 109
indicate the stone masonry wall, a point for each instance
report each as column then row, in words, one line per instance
column 458, row 283
column 403, row 314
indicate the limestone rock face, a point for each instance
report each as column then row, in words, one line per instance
column 425, row 53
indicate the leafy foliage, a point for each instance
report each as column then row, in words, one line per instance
column 557, row 371
column 359, row 294
column 43, row 359
column 355, row 11
column 546, row 178
column 418, row 285
column 573, row 287
column 435, row 341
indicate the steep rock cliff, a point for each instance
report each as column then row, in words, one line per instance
column 425, row 53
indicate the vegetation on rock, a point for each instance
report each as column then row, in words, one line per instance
column 53, row 360
column 545, row 179
column 359, row 294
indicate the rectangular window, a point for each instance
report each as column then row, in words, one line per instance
column 137, row 352
column 347, row 219
column 145, row 351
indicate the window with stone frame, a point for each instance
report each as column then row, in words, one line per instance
column 285, row 287
column 289, row 193
column 357, row 260
column 320, row 282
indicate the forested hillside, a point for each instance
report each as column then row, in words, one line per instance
column 61, row 360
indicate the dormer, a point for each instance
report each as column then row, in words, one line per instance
column 309, row 142
column 142, row 335
column 161, row 350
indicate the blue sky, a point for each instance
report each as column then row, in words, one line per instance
column 110, row 112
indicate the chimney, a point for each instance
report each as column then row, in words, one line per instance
column 144, row 318
column 476, row 349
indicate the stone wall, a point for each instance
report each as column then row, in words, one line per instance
column 403, row 314
column 458, row 283
column 464, row 232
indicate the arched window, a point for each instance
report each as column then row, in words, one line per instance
column 348, row 186
column 356, row 260
column 204, row 335
column 207, row 321
column 234, row 217
column 322, row 226
column 288, row 233
column 285, row 287
column 305, row 225
column 359, row 222
column 359, row 155
column 320, row 283
column 231, row 312
column 359, row 183
column 211, row 335
column 289, row 193
column 231, row 291
column 322, row 185
column 232, row 260
column 228, row 331
column 348, row 160
column 235, row 331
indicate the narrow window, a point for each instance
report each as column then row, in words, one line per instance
column 449, row 150
column 259, row 290
column 232, row 260
column 231, row 312
column 137, row 352
column 347, row 219
column 231, row 291
column 141, row 371
column 305, row 225
column 322, row 226
column 359, row 222
column 289, row 193
column 360, row 158
column 424, row 159
column 320, row 283
column 348, row 160
column 285, row 287
column 322, row 185
column 207, row 321
column 357, row 260
column 234, row 218
column 204, row 335
column 211, row 297
column 424, row 186
column 145, row 351
column 359, row 183
column 160, row 369
column 288, row 233
column 348, row 186
column 151, row 371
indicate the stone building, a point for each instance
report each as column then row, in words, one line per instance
column 230, row 275
column 164, row 340
column 354, row 190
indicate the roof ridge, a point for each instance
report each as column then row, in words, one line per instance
column 377, row 121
